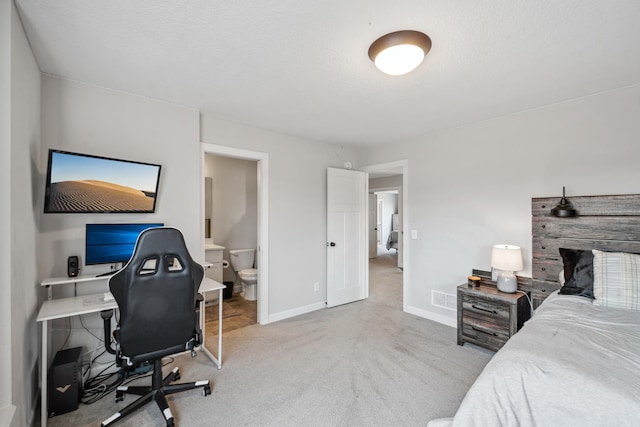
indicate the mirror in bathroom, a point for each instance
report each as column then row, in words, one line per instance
column 208, row 188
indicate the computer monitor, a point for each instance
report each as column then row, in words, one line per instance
column 112, row 243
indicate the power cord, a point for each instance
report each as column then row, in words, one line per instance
column 530, row 303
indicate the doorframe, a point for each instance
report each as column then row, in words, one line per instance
column 404, row 165
column 262, row 251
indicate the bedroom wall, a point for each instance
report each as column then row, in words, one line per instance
column 6, row 407
column 470, row 187
column 297, row 210
column 88, row 119
column 23, row 375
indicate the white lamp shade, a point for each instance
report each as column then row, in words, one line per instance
column 506, row 258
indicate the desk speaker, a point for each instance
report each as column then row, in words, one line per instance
column 72, row 266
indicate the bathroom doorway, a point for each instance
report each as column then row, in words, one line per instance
column 235, row 183
column 231, row 223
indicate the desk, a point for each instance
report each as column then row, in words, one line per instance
column 53, row 309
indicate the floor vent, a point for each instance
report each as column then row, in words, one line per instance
column 444, row 300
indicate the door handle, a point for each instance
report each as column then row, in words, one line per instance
column 332, row 244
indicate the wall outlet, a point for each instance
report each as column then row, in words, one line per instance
column 316, row 287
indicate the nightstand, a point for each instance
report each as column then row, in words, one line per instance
column 488, row 317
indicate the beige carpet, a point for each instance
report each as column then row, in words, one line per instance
column 360, row 364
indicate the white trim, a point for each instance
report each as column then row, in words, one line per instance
column 404, row 164
column 445, row 320
column 297, row 311
column 263, row 216
column 6, row 414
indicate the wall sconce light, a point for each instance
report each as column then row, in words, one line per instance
column 399, row 52
column 564, row 209
column 508, row 259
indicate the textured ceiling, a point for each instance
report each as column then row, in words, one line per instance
column 300, row 67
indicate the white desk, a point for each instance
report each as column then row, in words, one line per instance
column 53, row 309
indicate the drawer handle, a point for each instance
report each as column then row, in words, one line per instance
column 484, row 309
column 544, row 206
column 543, row 269
column 544, row 226
column 493, row 334
column 544, row 247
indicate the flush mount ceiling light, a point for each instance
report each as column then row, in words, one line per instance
column 400, row 52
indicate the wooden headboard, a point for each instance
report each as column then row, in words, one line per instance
column 608, row 223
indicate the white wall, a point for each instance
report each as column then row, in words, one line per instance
column 6, row 406
column 23, row 226
column 88, row 119
column 297, row 209
column 471, row 187
column 234, row 222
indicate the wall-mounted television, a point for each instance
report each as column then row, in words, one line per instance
column 112, row 243
column 82, row 183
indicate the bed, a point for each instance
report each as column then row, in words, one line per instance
column 577, row 360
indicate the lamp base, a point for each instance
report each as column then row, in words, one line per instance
column 507, row 282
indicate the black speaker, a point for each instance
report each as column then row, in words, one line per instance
column 72, row 266
column 65, row 381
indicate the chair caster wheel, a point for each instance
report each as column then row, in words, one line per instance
column 170, row 423
column 176, row 376
column 206, row 390
column 119, row 396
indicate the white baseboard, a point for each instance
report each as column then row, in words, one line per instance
column 445, row 320
column 296, row 311
column 6, row 415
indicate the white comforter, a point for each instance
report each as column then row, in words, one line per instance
column 572, row 364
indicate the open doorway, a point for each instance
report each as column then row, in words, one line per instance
column 258, row 222
column 231, row 239
column 387, row 261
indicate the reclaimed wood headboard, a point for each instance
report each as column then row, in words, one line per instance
column 608, row 223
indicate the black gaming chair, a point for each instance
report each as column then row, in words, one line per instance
column 157, row 295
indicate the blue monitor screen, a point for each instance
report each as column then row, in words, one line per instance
column 111, row 243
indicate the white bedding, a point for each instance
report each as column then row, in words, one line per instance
column 572, row 364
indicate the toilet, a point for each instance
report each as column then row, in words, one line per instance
column 242, row 262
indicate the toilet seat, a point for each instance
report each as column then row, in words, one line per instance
column 248, row 274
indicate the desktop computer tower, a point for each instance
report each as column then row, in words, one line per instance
column 65, row 381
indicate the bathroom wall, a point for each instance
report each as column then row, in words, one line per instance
column 234, row 209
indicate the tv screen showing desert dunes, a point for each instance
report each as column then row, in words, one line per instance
column 87, row 184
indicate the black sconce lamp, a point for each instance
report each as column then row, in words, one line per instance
column 564, row 209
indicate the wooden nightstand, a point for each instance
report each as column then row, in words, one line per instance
column 488, row 317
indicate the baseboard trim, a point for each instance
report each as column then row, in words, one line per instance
column 445, row 320
column 6, row 415
column 296, row 311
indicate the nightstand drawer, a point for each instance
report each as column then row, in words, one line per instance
column 483, row 336
column 490, row 311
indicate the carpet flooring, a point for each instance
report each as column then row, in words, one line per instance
column 361, row 364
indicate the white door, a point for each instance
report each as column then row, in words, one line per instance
column 347, row 278
column 373, row 229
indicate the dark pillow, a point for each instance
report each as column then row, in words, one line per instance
column 578, row 272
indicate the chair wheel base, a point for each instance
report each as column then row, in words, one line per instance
column 206, row 390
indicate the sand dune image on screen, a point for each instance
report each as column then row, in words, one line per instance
column 99, row 196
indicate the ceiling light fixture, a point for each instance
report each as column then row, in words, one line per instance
column 399, row 52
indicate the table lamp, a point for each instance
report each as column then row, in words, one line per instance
column 508, row 259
